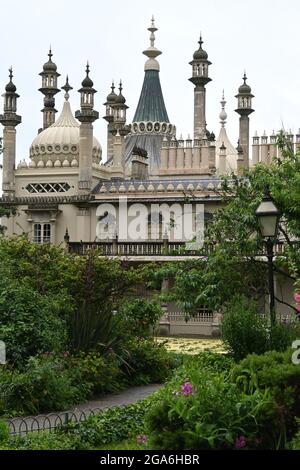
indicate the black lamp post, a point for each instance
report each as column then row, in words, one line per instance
column 268, row 216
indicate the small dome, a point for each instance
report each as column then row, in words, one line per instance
column 50, row 66
column 87, row 82
column 57, row 164
column 245, row 89
column 10, row 87
column 66, row 163
column 120, row 99
column 74, row 162
column 200, row 54
column 111, row 98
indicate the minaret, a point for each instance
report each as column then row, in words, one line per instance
column 244, row 109
column 49, row 89
column 109, row 117
column 120, row 130
column 9, row 119
column 200, row 78
column 240, row 163
column 87, row 115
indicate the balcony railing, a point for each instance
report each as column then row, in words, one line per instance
column 151, row 248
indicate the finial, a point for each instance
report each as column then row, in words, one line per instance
column 113, row 86
column 67, row 87
column 244, row 77
column 50, row 53
column 10, row 73
column 87, row 68
column 152, row 22
column 200, row 42
column 120, row 86
column 223, row 114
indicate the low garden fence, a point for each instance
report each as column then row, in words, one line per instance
column 49, row 422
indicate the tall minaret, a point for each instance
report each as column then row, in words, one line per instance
column 87, row 115
column 120, row 130
column 244, row 108
column 109, row 117
column 200, row 78
column 49, row 89
column 9, row 119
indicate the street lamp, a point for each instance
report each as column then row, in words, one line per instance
column 268, row 217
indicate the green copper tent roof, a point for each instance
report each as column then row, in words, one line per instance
column 151, row 106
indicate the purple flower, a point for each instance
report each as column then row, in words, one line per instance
column 187, row 388
column 240, row 442
column 142, row 439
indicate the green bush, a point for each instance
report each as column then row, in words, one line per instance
column 101, row 373
column 44, row 385
column 201, row 408
column 40, row 441
column 4, row 432
column 140, row 316
column 244, row 331
column 148, row 362
column 273, row 371
column 112, row 425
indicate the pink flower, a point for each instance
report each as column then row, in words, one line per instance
column 297, row 297
column 142, row 439
column 240, row 442
column 187, row 388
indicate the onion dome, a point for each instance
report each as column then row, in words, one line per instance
column 200, row 54
column 50, row 66
column 61, row 139
column 244, row 89
column 120, row 99
column 10, row 87
column 111, row 98
column 87, row 82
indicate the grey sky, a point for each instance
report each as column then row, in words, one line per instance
column 262, row 37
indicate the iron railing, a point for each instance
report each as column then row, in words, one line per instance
column 49, row 422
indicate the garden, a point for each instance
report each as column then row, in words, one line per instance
column 77, row 327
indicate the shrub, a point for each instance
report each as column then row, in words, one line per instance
column 112, row 425
column 207, row 411
column 140, row 316
column 148, row 362
column 273, row 371
column 101, row 373
column 40, row 441
column 244, row 331
column 44, row 385
column 4, row 432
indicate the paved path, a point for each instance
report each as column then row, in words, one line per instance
column 23, row 425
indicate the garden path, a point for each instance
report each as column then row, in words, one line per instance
column 23, row 425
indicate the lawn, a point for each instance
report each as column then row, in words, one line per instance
column 192, row 345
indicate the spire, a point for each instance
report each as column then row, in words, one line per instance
column 223, row 114
column 67, row 88
column 152, row 52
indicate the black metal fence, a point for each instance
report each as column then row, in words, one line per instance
column 49, row 422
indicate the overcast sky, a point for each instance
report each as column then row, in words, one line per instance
column 261, row 36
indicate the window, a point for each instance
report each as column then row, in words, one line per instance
column 47, row 187
column 42, row 233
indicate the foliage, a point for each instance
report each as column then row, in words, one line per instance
column 202, row 409
column 273, row 371
column 4, row 432
column 141, row 315
column 245, row 331
column 40, row 441
column 112, row 425
column 44, row 385
column 148, row 361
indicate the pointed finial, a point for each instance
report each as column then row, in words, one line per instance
column 113, row 86
column 245, row 76
column 87, row 67
column 200, row 42
column 50, row 53
column 67, row 87
column 10, row 73
column 223, row 114
column 120, row 86
column 152, row 22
